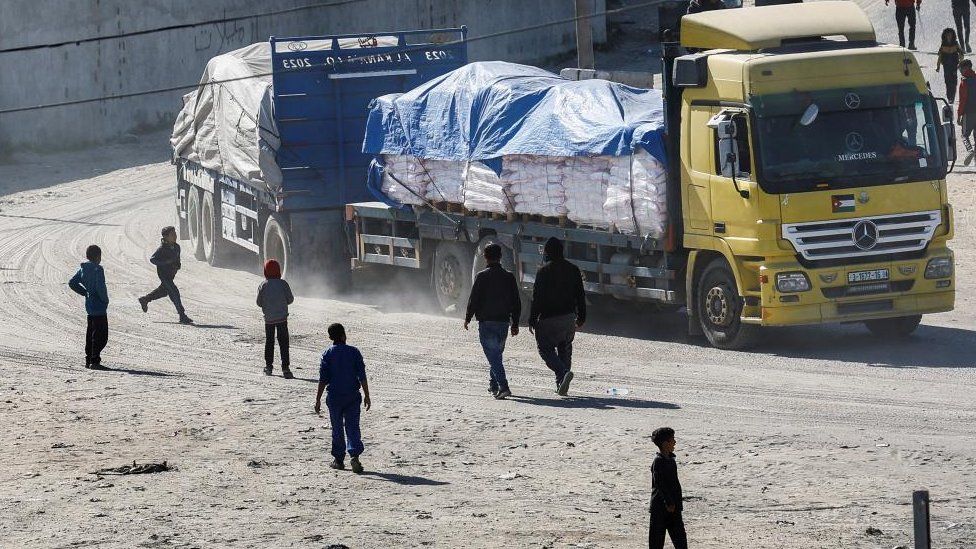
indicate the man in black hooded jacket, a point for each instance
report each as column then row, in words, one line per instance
column 167, row 261
column 558, row 309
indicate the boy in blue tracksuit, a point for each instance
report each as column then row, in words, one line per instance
column 343, row 372
column 89, row 281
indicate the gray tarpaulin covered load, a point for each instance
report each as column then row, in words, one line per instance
column 227, row 123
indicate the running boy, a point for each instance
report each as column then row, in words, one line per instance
column 274, row 297
column 342, row 370
column 89, row 281
column 167, row 262
column 665, row 494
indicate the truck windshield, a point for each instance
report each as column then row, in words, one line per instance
column 865, row 136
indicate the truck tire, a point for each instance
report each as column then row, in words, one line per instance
column 452, row 276
column 214, row 247
column 893, row 328
column 276, row 244
column 193, row 228
column 720, row 308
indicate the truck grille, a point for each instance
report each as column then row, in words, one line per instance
column 863, row 236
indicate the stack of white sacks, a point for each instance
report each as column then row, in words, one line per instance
column 623, row 193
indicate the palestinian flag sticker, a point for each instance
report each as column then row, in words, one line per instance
column 842, row 203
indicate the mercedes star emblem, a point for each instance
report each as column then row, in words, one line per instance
column 854, row 142
column 865, row 235
column 852, row 100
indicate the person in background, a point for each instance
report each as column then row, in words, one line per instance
column 343, row 372
column 905, row 12
column 89, row 281
column 496, row 303
column 558, row 309
column 699, row 6
column 960, row 14
column 274, row 297
column 166, row 258
column 665, row 494
column 967, row 103
column 949, row 57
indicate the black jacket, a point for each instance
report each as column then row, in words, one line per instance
column 665, row 488
column 558, row 291
column 167, row 260
column 495, row 296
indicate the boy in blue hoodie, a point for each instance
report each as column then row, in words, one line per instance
column 89, row 281
column 343, row 371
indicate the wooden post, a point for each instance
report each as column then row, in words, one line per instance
column 920, row 508
column 584, row 35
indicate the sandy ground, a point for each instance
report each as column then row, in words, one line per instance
column 806, row 442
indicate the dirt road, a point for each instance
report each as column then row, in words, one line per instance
column 806, row 442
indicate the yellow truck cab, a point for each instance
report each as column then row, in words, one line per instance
column 812, row 173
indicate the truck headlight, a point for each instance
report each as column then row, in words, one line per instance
column 789, row 283
column 939, row 267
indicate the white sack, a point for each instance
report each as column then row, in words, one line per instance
column 535, row 183
column 484, row 191
column 637, row 196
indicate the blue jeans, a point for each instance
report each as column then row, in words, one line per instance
column 344, row 415
column 493, row 334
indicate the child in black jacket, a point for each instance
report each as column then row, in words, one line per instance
column 665, row 494
column 167, row 262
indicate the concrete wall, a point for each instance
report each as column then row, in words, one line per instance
column 176, row 58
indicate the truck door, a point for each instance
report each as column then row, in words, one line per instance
column 734, row 216
column 699, row 164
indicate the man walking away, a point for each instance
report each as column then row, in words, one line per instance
column 905, row 12
column 960, row 14
column 967, row 103
column 342, row 370
column 89, row 281
column 949, row 56
column 558, row 309
column 495, row 302
column 167, row 262
column 274, row 297
column 665, row 494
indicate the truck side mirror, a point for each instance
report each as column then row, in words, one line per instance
column 949, row 140
column 725, row 130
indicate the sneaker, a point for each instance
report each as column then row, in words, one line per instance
column 912, row 47
column 968, row 144
column 267, row 370
column 97, row 367
column 337, row 465
column 493, row 389
column 186, row 320
column 969, row 49
column 286, row 373
column 356, row 466
column 503, row 394
column 144, row 304
column 564, row 384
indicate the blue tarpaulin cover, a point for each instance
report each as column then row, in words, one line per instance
column 491, row 109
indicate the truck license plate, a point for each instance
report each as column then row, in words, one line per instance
column 867, row 276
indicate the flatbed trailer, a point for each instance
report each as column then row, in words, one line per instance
column 448, row 245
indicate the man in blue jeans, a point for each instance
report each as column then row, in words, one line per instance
column 495, row 302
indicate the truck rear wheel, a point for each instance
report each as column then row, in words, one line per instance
column 193, row 223
column 893, row 328
column 214, row 248
column 720, row 308
column 452, row 276
column 276, row 244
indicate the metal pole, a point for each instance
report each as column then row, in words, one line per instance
column 920, row 508
column 584, row 35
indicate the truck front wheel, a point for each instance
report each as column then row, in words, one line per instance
column 893, row 328
column 452, row 276
column 720, row 308
column 276, row 244
column 193, row 223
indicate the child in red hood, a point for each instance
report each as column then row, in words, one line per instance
column 274, row 297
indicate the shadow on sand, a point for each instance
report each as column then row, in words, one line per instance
column 405, row 480
column 596, row 403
